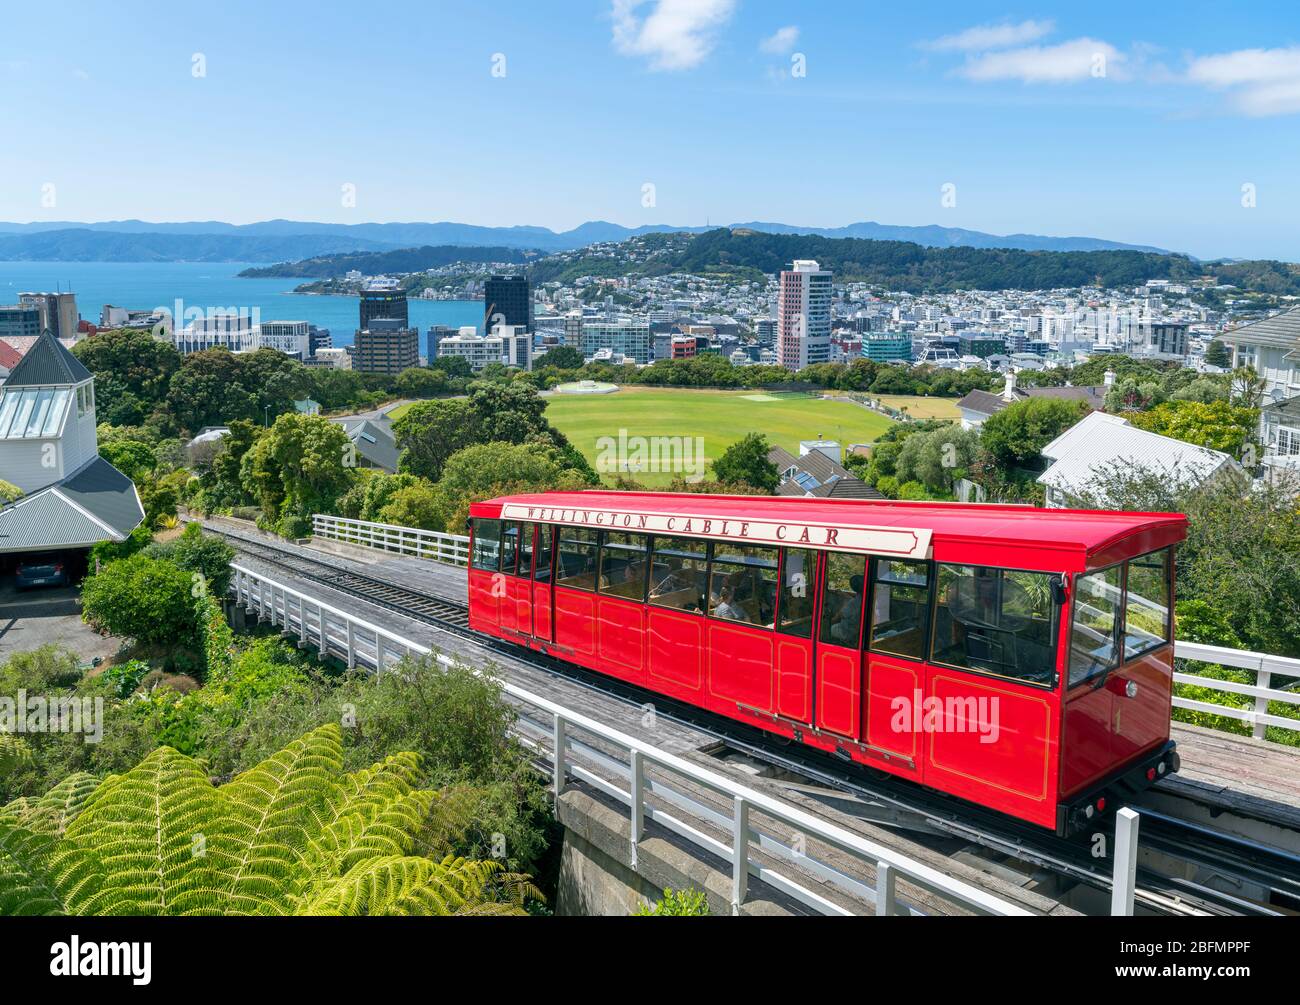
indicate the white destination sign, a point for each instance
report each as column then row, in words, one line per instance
column 902, row 542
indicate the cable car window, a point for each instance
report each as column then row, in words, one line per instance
column 996, row 621
column 525, row 549
column 841, row 623
column 576, row 558
column 487, row 545
column 900, row 608
column 678, row 572
column 542, row 568
column 1146, row 603
column 796, row 609
column 509, row 548
column 1094, row 634
column 623, row 565
column 742, row 583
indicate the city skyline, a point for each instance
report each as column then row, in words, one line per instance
column 1118, row 123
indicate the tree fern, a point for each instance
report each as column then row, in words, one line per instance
column 26, row 885
column 153, row 843
column 274, row 809
column 14, row 753
column 294, row 835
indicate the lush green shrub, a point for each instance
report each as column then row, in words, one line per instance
column 677, row 904
column 147, row 599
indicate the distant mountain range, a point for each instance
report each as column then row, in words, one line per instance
column 288, row 240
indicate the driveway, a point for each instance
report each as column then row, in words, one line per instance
column 30, row 619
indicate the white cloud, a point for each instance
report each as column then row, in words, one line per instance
column 1261, row 82
column 1246, row 66
column 675, row 35
column 991, row 36
column 780, row 41
column 1078, row 59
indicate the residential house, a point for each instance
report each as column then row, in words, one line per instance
column 1099, row 444
column 1272, row 348
column 376, row 447
column 72, row 498
column 815, row 473
column 977, row 406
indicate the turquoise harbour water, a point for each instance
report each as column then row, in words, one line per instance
column 148, row 285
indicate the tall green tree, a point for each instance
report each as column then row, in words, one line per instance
column 745, row 462
column 431, row 431
column 132, row 371
column 1014, row 436
column 301, row 466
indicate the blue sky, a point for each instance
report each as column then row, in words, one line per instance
column 1131, row 121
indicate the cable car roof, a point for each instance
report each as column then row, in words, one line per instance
column 984, row 534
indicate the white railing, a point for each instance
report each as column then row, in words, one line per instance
column 450, row 548
column 579, row 745
column 1264, row 667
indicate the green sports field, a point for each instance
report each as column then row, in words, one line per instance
column 720, row 417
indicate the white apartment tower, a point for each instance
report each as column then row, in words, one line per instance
column 803, row 315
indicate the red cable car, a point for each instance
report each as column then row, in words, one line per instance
column 1019, row 658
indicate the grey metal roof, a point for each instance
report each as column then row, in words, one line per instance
column 96, row 503
column 1281, row 331
column 107, row 493
column 47, row 362
column 990, row 403
column 374, row 442
column 832, row 480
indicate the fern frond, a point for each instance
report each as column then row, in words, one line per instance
column 403, row 885
column 147, row 842
column 52, row 812
column 275, row 809
column 26, row 886
column 14, row 753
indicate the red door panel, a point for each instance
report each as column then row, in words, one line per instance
column 676, row 643
column 575, row 620
column 893, row 686
column 993, row 742
column 1140, row 721
column 1086, row 728
column 794, row 677
column 508, row 613
column 740, row 666
column 542, row 620
column 839, row 689
column 619, row 635
column 523, row 591
column 483, row 602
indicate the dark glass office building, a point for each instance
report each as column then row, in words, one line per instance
column 507, row 301
column 387, row 304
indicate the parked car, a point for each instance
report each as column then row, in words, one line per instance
column 44, row 568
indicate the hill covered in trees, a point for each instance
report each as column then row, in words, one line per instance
column 900, row 265
column 380, row 262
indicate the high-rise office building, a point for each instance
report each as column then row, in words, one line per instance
column 22, row 320
column 387, row 346
column 58, row 312
column 507, row 300
column 624, row 337
column 387, row 304
column 803, row 315
column 573, row 329
column 317, row 339
column 435, row 335
column 235, row 330
column 293, row 338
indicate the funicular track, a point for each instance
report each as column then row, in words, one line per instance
column 907, row 805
